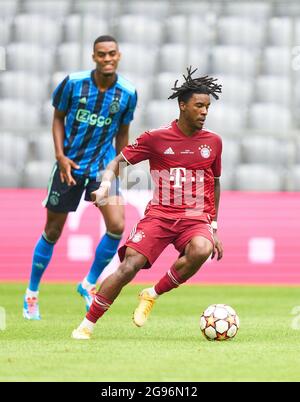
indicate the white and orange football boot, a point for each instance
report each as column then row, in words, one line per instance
column 142, row 312
column 81, row 333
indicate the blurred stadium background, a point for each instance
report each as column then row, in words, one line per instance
column 252, row 47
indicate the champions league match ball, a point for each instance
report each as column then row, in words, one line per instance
column 219, row 322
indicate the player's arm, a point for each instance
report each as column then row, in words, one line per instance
column 218, row 245
column 122, row 138
column 112, row 171
column 130, row 155
column 65, row 164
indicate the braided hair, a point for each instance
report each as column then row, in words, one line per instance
column 204, row 85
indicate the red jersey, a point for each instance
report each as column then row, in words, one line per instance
column 183, row 170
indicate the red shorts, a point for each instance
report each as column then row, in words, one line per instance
column 152, row 235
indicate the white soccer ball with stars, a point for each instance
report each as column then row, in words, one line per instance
column 219, row 322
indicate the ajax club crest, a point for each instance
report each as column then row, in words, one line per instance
column 54, row 198
column 114, row 107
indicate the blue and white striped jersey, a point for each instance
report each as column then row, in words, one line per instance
column 93, row 119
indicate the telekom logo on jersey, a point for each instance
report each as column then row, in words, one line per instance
column 177, row 187
column 180, row 175
column 180, row 187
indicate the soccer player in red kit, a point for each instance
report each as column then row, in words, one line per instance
column 185, row 164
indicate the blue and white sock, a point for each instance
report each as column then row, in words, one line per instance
column 41, row 257
column 105, row 252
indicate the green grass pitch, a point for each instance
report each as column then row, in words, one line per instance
column 169, row 348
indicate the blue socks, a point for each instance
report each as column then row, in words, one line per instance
column 43, row 251
column 41, row 257
column 105, row 252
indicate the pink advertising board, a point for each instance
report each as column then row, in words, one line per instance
column 260, row 233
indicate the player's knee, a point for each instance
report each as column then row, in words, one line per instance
column 116, row 228
column 53, row 232
column 126, row 272
column 130, row 267
column 199, row 250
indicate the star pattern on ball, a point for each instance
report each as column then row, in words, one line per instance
column 211, row 321
column 231, row 319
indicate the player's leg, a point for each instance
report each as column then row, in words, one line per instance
column 61, row 199
column 109, row 291
column 146, row 242
column 41, row 258
column 113, row 214
column 196, row 253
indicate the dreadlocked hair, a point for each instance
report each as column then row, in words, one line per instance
column 205, row 85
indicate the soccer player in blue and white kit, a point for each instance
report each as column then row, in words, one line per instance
column 92, row 108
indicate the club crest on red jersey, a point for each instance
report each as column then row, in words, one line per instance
column 205, row 151
column 138, row 237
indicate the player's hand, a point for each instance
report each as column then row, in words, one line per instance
column 65, row 166
column 100, row 196
column 218, row 249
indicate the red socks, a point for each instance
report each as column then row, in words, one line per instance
column 98, row 308
column 170, row 281
column 100, row 304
